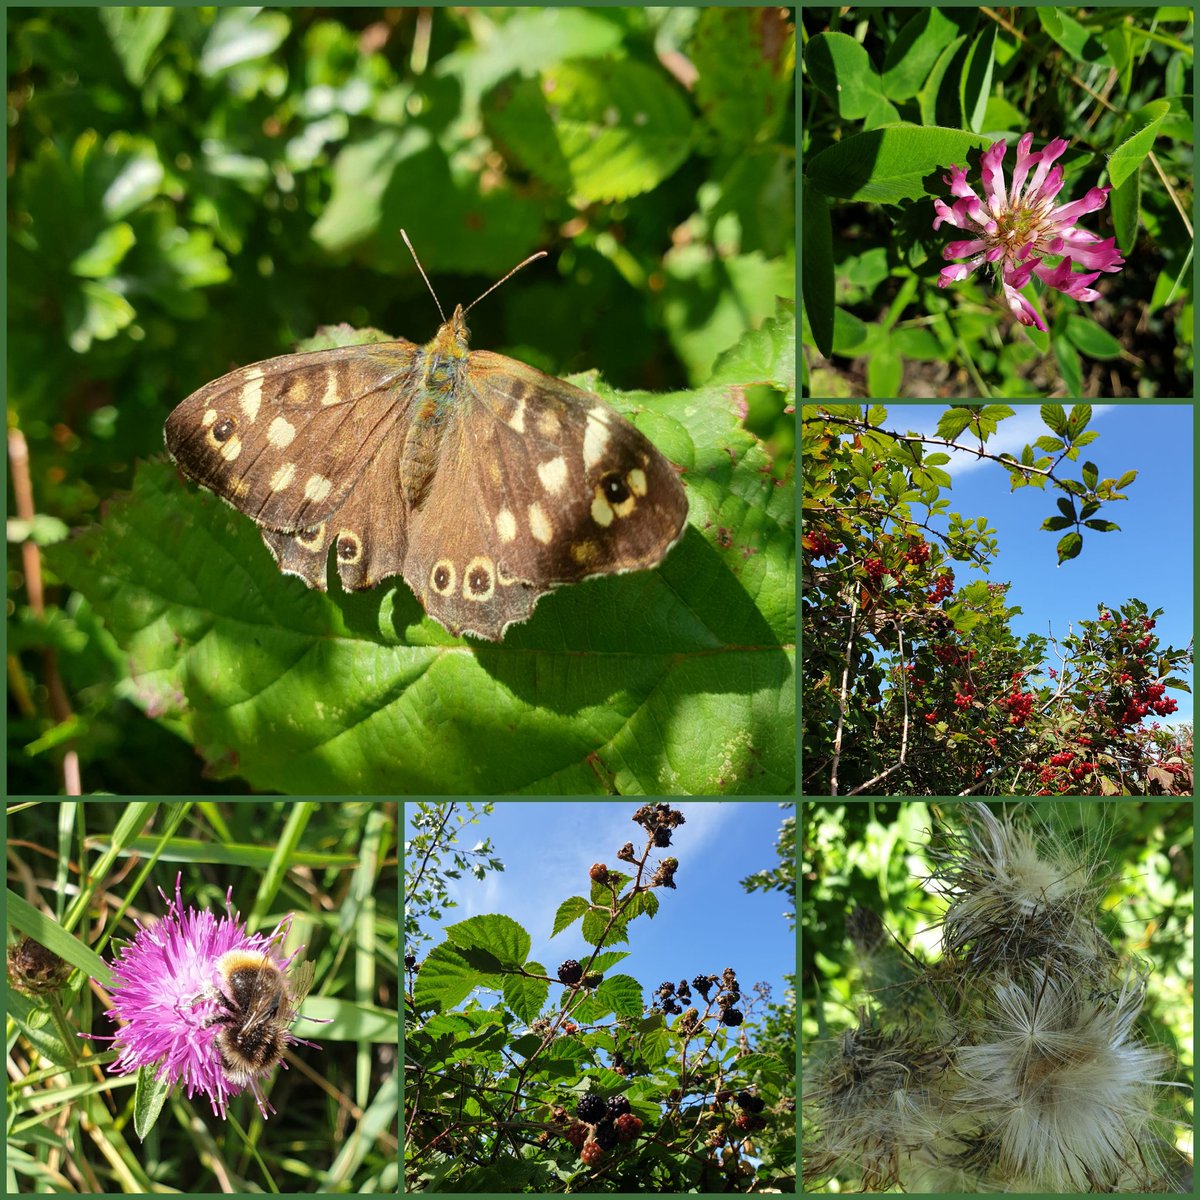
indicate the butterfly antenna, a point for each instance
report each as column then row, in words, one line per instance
column 426, row 277
column 518, row 267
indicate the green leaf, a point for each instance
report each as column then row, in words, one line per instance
column 940, row 100
column 1077, row 40
column 594, row 926
column 569, row 911
column 1139, row 138
column 818, row 274
column 1068, row 547
column 1069, row 365
column 498, row 934
column 623, row 995
column 351, row 694
column 1079, row 420
column 843, row 71
column 1126, row 211
column 917, row 46
column 976, row 84
column 1055, row 417
column 1053, row 524
column 1090, row 339
column 885, row 370
column 952, row 422
column 1126, row 480
column 525, row 996
column 446, row 979
column 1103, row 526
column 1091, row 474
column 888, row 165
column 600, row 130
column 1067, row 508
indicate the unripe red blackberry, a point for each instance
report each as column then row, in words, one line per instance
column 591, row 1154
column 599, row 873
column 570, row 972
column 628, row 1127
column 617, row 1105
column 591, row 1108
column 577, row 1135
column 732, row 1016
column 744, row 1121
column 605, row 1135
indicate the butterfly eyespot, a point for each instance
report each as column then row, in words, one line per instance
column 349, row 547
column 224, row 429
column 479, row 580
column 442, row 577
column 616, row 490
column 311, row 539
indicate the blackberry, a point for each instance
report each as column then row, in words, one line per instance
column 570, row 972
column 751, row 1104
column 732, row 1016
column 410, row 961
column 591, row 1108
column 666, row 989
column 605, row 1135
column 662, row 838
column 618, row 1105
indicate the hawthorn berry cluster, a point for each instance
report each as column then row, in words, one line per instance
column 820, row 545
column 943, row 585
column 659, row 820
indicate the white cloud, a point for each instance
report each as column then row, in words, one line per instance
column 1012, row 434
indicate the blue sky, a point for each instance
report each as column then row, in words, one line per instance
column 1151, row 558
column 706, row 924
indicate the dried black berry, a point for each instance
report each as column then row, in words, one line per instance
column 662, row 838
column 570, row 972
column 751, row 1104
column 410, row 961
column 732, row 1016
column 617, row 1106
column 591, row 1108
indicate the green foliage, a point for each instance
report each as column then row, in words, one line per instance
column 897, row 96
column 192, row 189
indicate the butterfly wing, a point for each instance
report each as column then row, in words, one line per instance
column 295, row 441
column 562, row 488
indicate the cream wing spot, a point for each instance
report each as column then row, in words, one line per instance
column 637, row 481
column 332, row 393
column 231, row 449
column 283, row 478
column 549, row 425
column 516, row 422
column 506, row 525
column 281, row 433
column 602, row 512
column 595, row 437
column 317, row 487
column 539, row 525
column 553, row 474
column 209, row 418
column 251, row 397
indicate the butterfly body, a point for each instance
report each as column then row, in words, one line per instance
column 480, row 480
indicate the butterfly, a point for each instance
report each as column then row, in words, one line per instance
column 480, row 480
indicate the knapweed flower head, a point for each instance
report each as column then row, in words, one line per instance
column 167, row 989
column 1015, row 227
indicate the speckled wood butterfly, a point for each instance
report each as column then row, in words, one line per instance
column 481, row 481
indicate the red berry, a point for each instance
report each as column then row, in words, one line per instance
column 591, row 1153
column 599, row 873
column 628, row 1127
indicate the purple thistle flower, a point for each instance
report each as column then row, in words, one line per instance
column 167, row 990
column 1013, row 228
